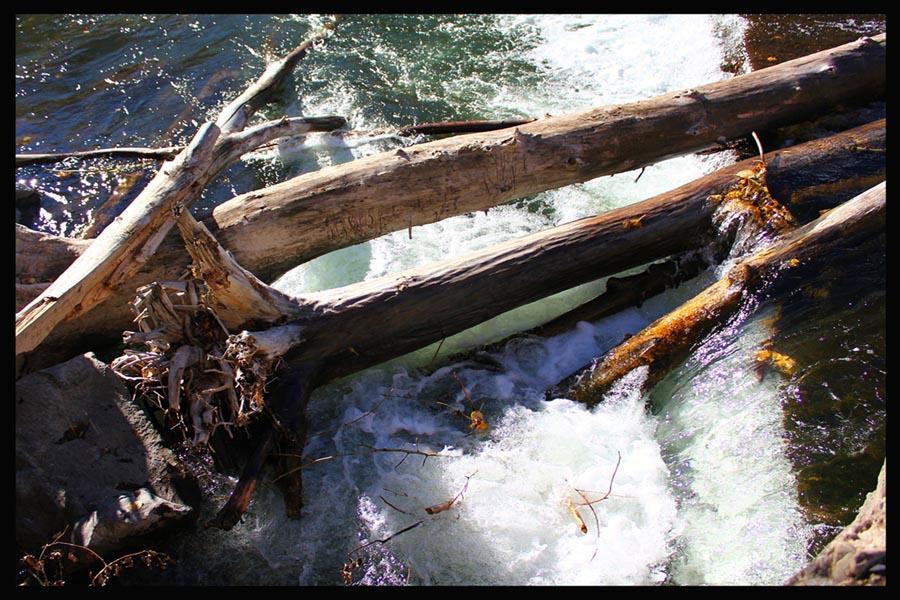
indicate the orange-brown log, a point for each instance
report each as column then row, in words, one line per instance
column 665, row 342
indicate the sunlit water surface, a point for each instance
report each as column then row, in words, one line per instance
column 691, row 486
column 665, row 514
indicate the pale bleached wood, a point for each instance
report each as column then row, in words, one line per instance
column 841, row 164
column 274, row 229
column 133, row 237
column 346, row 204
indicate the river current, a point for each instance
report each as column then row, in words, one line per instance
column 695, row 482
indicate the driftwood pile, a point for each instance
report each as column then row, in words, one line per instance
column 210, row 331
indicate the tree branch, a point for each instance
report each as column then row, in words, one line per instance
column 130, row 240
column 660, row 345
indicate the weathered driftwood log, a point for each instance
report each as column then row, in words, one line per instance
column 663, row 343
column 588, row 144
column 115, row 255
column 500, row 167
column 353, row 202
column 845, row 163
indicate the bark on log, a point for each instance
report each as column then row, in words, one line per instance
column 848, row 161
column 663, row 343
column 361, row 325
column 460, row 127
column 115, row 255
column 353, row 202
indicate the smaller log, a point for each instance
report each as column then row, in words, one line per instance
column 288, row 399
column 232, row 513
column 664, row 343
column 166, row 153
column 297, row 125
column 625, row 292
column 447, row 127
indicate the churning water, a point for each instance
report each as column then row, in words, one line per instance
column 687, row 484
column 512, row 521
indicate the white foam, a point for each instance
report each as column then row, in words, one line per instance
column 703, row 492
column 723, row 431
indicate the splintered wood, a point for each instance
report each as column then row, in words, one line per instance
column 202, row 376
column 589, row 503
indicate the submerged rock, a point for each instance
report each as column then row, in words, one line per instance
column 28, row 204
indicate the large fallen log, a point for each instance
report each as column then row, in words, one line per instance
column 846, row 163
column 112, row 259
column 666, row 341
column 364, row 324
column 294, row 221
column 428, row 182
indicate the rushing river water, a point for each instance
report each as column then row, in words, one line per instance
column 717, row 475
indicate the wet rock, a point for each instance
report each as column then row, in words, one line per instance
column 28, row 204
column 858, row 555
column 89, row 462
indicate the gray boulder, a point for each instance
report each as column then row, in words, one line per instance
column 858, row 554
column 90, row 463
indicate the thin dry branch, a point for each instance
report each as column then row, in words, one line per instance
column 286, row 126
column 430, row 510
column 384, row 540
column 128, row 242
column 460, row 126
column 369, row 450
column 589, row 503
column 437, row 508
column 166, row 153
